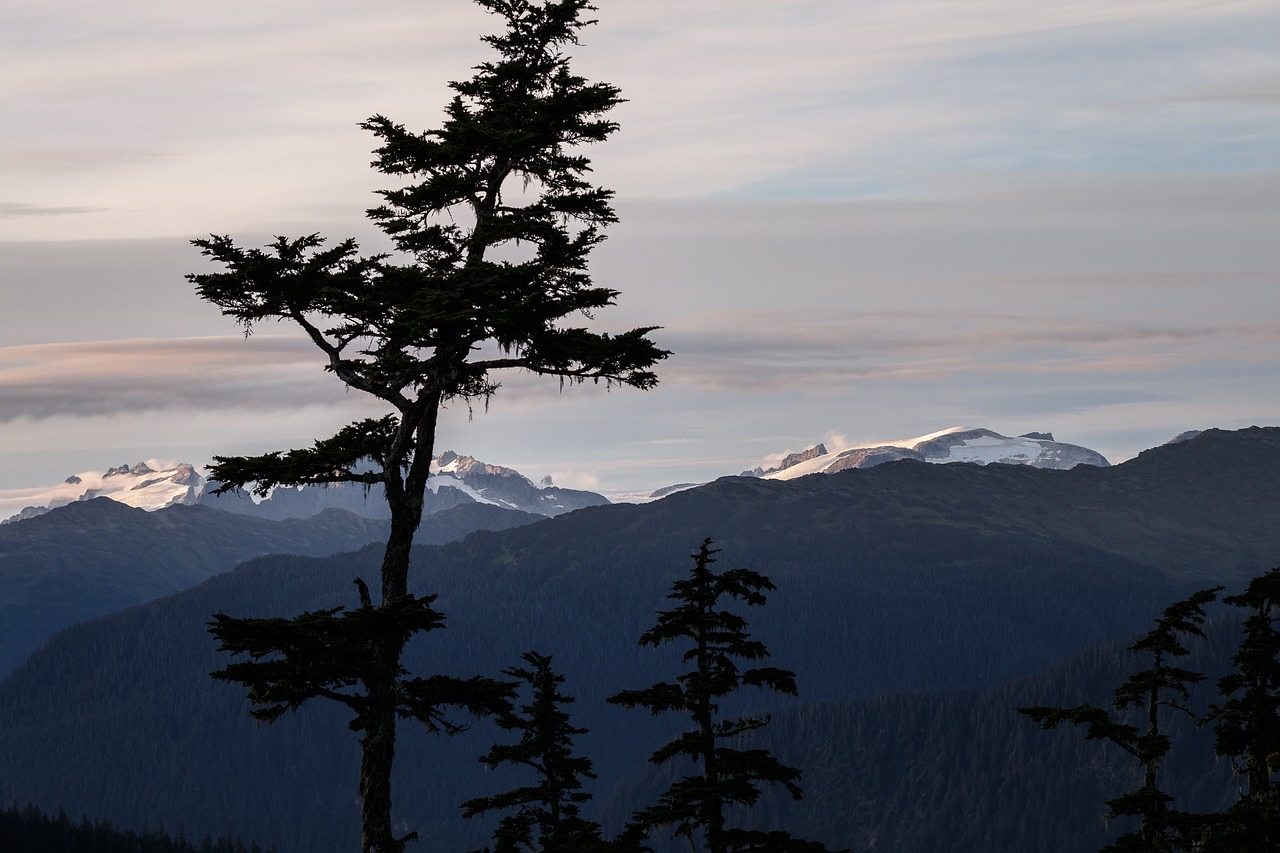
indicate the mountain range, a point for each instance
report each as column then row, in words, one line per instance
column 455, row 480
column 957, row 444
column 90, row 558
column 463, row 479
column 897, row 586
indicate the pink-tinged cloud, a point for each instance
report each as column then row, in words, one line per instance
column 750, row 352
column 210, row 374
column 742, row 351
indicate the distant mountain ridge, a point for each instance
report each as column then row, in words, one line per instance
column 89, row 558
column 139, row 486
column 455, row 480
column 957, row 444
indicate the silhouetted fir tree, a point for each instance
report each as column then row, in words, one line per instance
column 418, row 330
column 546, row 814
column 1151, row 691
column 1246, row 723
column 717, row 640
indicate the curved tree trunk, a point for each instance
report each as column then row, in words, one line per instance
column 405, row 497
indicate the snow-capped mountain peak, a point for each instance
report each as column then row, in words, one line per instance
column 140, row 486
column 955, row 444
column 505, row 487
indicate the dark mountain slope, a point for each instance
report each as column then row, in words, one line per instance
column 1203, row 508
column 118, row 717
column 965, row 773
column 90, row 558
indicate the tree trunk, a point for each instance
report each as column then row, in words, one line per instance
column 707, row 735
column 377, row 753
column 378, row 746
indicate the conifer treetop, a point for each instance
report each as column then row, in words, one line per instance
column 492, row 225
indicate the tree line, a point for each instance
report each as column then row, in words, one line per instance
column 1244, row 718
column 29, row 830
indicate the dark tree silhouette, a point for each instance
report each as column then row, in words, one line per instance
column 1246, row 724
column 717, row 640
column 546, row 815
column 430, row 324
column 1160, row 688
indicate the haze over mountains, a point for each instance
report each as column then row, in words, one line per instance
column 895, row 581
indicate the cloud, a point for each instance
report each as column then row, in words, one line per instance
column 772, row 352
column 71, row 159
column 731, row 352
column 134, row 377
column 15, row 210
column 1256, row 91
column 211, row 375
column 248, row 118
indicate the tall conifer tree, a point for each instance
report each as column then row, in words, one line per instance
column 493, row 225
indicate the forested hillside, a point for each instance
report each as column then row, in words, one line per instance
column 963, row 772
column 91, row 558
column 897, row 587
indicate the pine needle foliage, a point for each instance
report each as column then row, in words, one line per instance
column 716, row 640
column 1246, row 723
column 492, row 221
column 1153, row 692
column 545, row 815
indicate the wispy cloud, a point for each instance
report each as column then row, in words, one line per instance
column 71, row 159
column 138, row 376
column 15, row 210
column 743, row 352
column 762, row 352
column 784, row 99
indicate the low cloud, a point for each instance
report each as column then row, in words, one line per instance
column 1255, row 91
column 138, row 376
column 16, row 210
column 70, row 159
column 744, row 351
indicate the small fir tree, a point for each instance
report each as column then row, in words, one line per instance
column 493, row 227
column 1246, row 724
column 717, row 639
column 546, row 815
column 1153, row 692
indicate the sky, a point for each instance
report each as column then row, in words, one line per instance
column 853, row 222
